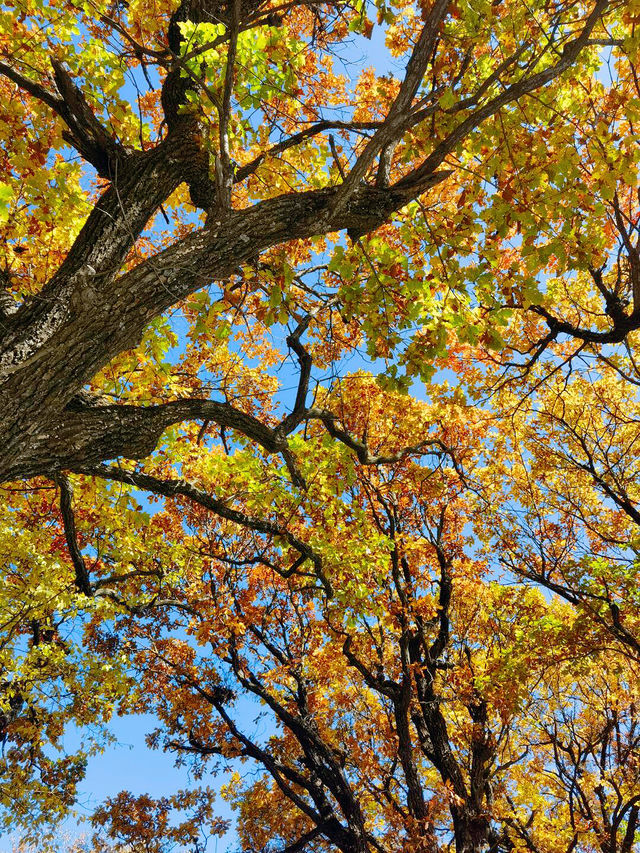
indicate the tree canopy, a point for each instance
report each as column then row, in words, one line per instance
column 319, row 398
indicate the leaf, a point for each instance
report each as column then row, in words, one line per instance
column 6, row 197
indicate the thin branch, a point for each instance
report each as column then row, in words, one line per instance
column 361, row 449
column 397, row 116
column 224, row 171
column 291, row 141
column 181, row 488
column 511, row 93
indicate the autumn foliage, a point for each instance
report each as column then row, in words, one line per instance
column 319, row 420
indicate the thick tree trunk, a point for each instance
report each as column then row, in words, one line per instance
column 471, row 830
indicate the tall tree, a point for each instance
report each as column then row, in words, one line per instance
column 96, row 294
column 178, row 308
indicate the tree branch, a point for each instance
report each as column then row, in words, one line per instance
column 361, row 449
column 35, row 89
column 68, row 519
column 291, row 141
column 85, row 133
column 181, row 488
column 511, row 93
column 224, row 171
column 398, row 114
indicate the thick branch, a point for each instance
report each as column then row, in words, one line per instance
column 95, row 317
column 35, row 89
column 134, row 431
column 87, row 135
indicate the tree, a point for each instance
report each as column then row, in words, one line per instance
column 367, row 565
